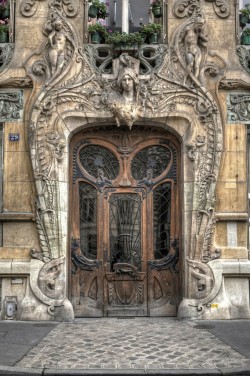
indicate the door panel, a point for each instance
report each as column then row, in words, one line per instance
column 124, row 223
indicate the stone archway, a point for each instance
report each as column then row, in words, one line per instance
column 173, row 97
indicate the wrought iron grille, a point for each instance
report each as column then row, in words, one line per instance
column 125, row 229
column 88, row 221
column 152, row 160
column 97, row 160
column 162, row 220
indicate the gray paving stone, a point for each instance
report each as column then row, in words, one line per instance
column 116, row 344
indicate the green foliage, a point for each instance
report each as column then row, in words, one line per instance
column 151, row 29
column 4, row 4
column 118, row 39
column 246, row 31
column 102, row 8
column 4, row 26
column 156, row 4
column 97, row 28
column 245, row 12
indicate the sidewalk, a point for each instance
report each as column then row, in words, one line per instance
column 137, row 346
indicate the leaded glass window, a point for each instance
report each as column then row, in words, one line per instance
column 99, row 161
column 152, row 160
column 125, row 229
column 88, row 220
column 162, row 220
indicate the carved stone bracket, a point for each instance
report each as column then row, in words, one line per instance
column 234, row 84
column 11, row 105
column 6, row 53
column 244, row 57
column 186, row 8
column 238, row 108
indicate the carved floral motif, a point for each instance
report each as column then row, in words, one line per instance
column 186, row 8
column 238, row 108
column 177, row 87
column 6, row 53
column 29, row 7
column 11, row 105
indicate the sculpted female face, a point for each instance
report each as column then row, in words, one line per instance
column 127, row 82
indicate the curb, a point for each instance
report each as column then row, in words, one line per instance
column 17, row 371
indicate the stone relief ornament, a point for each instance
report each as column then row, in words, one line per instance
column 11, row 105
column 234, row 84
column 29, row 7
column 238, row 106
column 244, row 57
column 6, row 53
column 186, row 8
column 69, row 86
column 202, row 279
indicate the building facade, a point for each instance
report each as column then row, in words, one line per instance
column 124, row 183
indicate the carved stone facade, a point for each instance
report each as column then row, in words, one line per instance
column 55, row 87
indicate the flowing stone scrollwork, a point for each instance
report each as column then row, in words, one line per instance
column 202, row 279
column 238, row 106
column 29, row 7
column 186, row 8
column 6, row 53
column 11, row 105
column 118, row 90
column 244, row 57
column 150, row 56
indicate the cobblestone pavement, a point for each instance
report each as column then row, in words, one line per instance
column 140, row 343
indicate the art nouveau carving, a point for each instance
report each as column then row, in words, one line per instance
column 29, row 7
column 186, row 8
column 6, row 53
column 238, row 108
column 244, row 57
column 203, row 277
column 11, row 105
column 71, row 88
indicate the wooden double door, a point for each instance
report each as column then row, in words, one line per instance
column 124, row 223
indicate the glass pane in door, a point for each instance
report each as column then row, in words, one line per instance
column 125, row 229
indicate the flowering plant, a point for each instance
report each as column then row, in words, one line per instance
column 4, row 26
column 118, row 39
column 246, row 31
column 102, row 8
column 4, row 4
column 98, row 28
column 150, row 28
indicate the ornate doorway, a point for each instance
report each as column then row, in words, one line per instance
column 124, row 222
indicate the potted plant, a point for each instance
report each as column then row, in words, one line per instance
column 151, row 32
column 245, row 38
column 5, row 8
column 4, row 32
column 98, row 33
column 156, row 6
column 98, row 9
column 244, row 17
column 125, row 41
